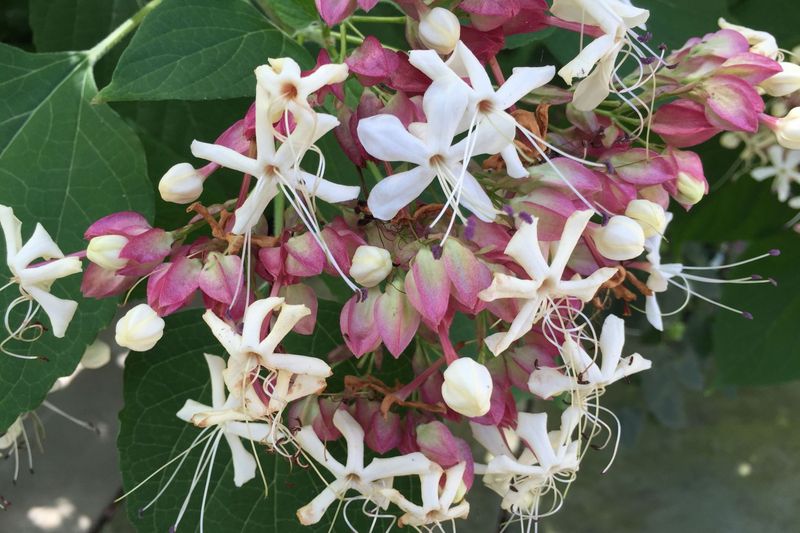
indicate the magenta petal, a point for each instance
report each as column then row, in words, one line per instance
column 151, row 246
column 381, row 433
column 404, row 108
column 98, row 282
column 372, row 63
column 489, row 14
column 172, row 285
column 640, row 167
column 273, row 261
column 683, row 123
column 396, row 319
column 323, row 424
column 357, row 322
column 122, row 223
column 732, row 104
column 467, row 274
column 335, row 11
column 428, row 287
column 753, row 68
column 221, row 277
column 438, row 444
column 301, row 294
column 484, row 44
column 408, row 78
column 366, row 5
column 304, row 258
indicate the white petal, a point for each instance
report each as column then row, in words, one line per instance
column 429, row 63
column 653, row 312
column 12, row 231
column 249, row 213
column 478, row 77
column 582, row 365
column 327, row 190
column 312, row 512
column 524, row 249
column 354, row 435
column 191, row 408
column 612, row 339
column 39, row 245
column 384, row 137
column 395, row 192
column 265, row 140
column 522, row 324
column 505, row 286
column 631, row 365
column 474, row 198
column 324, row 75
column 223, row 332
column 254, row 319
column 216, row 365
column 762, row 173
column 404, row 465
column 583, row 63
column 591, row 91
column 547, row 382
column 532, row 428
column 45, row 274
column 297, row 364
column 490, row 438
column 444, row 104
column 522, row 81
column 59, row 311
column 514, row 165
column 244, row 464
column 288, row 318
column 226, row 157
column 573, row 229
column 254, row 431
column 308, row 440
column 584, row 289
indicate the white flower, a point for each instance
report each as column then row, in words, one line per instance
column 650, row 216
column 437, row 499
column 278, row 168
column 370, row 265
column 430, row 148
column 658, row 280
column 614, row 17
column 486, row 108
column 622, row 238
column 140, row 329
column 584, row 376
column 181, row 184
column 439, row 30
column 784, row 168
column 787, row 130
column 368, row 480
column 291, row 377
column 467, row 387
column 761, row 42
column 547, row 458
column 783, row 83
column 35, row 280
column 288, row 89
column 545, row 285
column 229, row 420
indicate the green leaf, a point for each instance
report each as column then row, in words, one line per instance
column 294, row 14
column 157, row 383
column 65, row 163
column 198, row 50
column 64, row 25
column 763, row 350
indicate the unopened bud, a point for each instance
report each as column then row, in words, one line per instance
column 649, row 215
column 439, row 30
column 787, row 130
column 620, row 239
column 96, row 354
column 467, row 387
column 783, row 83
column 729, row 140
column 182, row 184
column 140, row 329
column 761, row 42
column 370, row 265
column 104, row 251
column 690, row 190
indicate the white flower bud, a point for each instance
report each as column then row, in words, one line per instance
column 761, row 42
column 783, row 83
column 104, row 251
column 620, row 239
column 787, row 130
column 690, row 190
column 181, row 184
column 467, row 387
column 96, row 354
column 729, row 140
column 140, row 329
column 370, row 265
column 649, row 215
column 439, row 30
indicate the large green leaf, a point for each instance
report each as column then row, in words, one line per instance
column 64, row 25
column 198, row 50
column 763, row 350
column 65, row 163
column 156, row 385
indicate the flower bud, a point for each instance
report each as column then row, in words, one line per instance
column 787, row 130
column 439, row 30
column 620, row 239
column 104, row 251
column 649, row 215
column 182, row 184
column 689, row 190
column 140, row 329
column 783, row 83
column 370, row 265
column 467, row 387
column 96, row 354
column 729, row 140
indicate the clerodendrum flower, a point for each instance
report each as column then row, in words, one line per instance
column 784, row 168
column 486, row 107
column 541, row 293
column 36, row 280
column 289, row 377
column 430, row 147
column 441, row 502
column 369, row 481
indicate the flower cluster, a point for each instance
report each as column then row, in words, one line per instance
column 536, row 212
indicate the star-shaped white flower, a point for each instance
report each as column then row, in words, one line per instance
column 368, row 480
column 546, row 458
column 430, row 147
column 35, row 280
column 784, row 168
column 486, row 106
column 584, row 376
column 278, row 168
column 437, row 499
column 290, row 377
column 226, row 415
column 658, row 280
column 545, row 285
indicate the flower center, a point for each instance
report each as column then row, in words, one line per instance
column 485, row 106
column 289, row 91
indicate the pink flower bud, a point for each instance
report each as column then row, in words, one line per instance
column 304, row 258
column 467, row 274
column 396, row 319
column 439, row 445
column 357, row 322
column 301, row 294
column 683, row 123
column 172, row 285
column 428, row 287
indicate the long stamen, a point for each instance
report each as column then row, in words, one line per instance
column 82, row 423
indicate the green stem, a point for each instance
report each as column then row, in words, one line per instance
column 278, row 206
column 348, row 38
column 121, row 31
column 385, row 20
